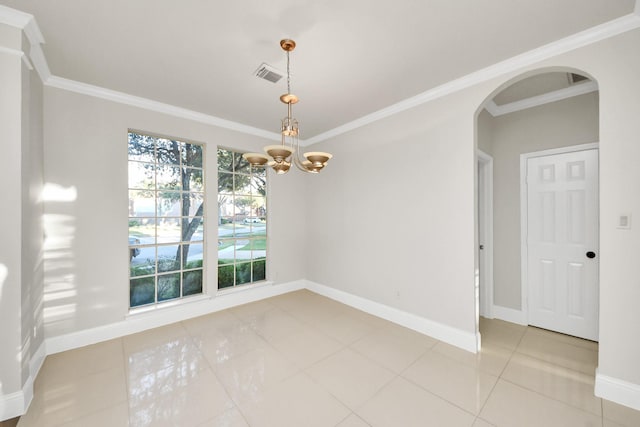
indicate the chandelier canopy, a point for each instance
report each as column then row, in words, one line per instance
column 281, row 156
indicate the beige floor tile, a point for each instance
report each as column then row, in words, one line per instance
column 571, row 387
column 65, row 401
column 609, row 423
column 115, row 416
column 344, row 328
column 252, row 309
column 82, row 361
column 298, row 300
column 567, row 339
column 274, row 324
column 620, row 414
column 395, row 348
column 511, row 405
column 165, row 381
column 401, row 403
column 180, row 351
column 213, row 321
column 559, row 352
column 231, row 418
column 501, row 333
column 479, row 422
column 351, row 377
column 298, row 401
column 353, row 421
column 492, row 359
column 460, row 384
column 306, row 347
column 187, row 401
column 220, row 347
column 249, row 375
column 150, row 340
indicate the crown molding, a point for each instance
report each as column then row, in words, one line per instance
column 592, row 35
column 160, row 107
column 535, row 101
column 28, row 24
column 13, row 17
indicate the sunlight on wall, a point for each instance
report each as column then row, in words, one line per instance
column 59, row 300
column 3, row 276
column 57, row 193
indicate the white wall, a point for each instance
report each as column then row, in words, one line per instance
column 10, row 213
column 563, row 123
column 390, row 216
column 86, row 154
column 394, row 219
column 32, row 327
column 21, row 274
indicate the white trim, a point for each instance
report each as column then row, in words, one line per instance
column 524, row 289
column 10, row 51
column 14, row 17
column 160, row 107
column 155, row 318
column 37, row 360
column 16, row 404
column 457, row 337
column 617, row 390
column 592, row 35
column 575, row 41
column 486, row 193
column 40, row 62
column 11, row 405
column 509, row 314
column 535, row 101
column 491, row 107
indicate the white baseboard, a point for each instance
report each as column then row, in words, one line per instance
column 155, row 318
column 618, row 391
column 459, row 338
column 16, row 404
column 12, row 405
column 509, row 314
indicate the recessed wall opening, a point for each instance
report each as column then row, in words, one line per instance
column 539, row 126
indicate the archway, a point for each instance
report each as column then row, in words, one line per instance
column 545, row 109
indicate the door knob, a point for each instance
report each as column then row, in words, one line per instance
column 591, row 254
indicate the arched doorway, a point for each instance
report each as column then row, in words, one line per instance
column 537, row 115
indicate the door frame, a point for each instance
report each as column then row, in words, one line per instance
column 485, row 200
column 524, row 220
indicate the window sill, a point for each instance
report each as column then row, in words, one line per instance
column 133, row 312
column 244, row 288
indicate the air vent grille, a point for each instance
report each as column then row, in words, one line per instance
column 267, row 72
column 576, row 78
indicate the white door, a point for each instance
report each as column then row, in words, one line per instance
column 562, row 242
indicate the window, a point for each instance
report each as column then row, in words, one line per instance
column 242, row 220
column 166, row 222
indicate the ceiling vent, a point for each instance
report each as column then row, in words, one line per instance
column 267, row 72
column 576, row 78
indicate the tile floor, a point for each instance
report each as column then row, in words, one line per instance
column 303, row 360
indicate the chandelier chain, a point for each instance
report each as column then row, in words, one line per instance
column 288, row 75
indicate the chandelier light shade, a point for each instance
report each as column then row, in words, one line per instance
column 281, row 156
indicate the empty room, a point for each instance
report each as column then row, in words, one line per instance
column 320, row 213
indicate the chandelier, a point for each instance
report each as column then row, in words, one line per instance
column 281, row 156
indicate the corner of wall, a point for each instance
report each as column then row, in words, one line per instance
column 617, row 390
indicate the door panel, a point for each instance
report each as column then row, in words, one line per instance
column 562, row 215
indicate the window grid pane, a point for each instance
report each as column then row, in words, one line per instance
column 242, row 221
column 166, row 219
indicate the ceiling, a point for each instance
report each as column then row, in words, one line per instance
column 535, row 86
column 353, row 57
